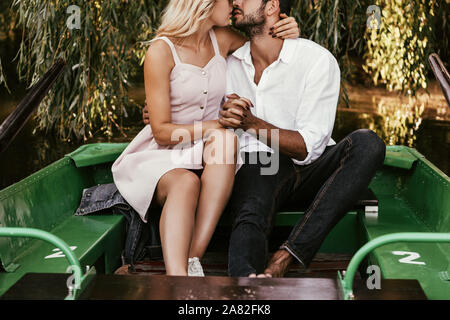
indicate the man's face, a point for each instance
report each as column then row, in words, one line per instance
column 248, row 15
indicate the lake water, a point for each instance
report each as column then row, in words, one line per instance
column 391, row 117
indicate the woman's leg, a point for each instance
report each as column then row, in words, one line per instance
column 217, row 180
column 177, row 192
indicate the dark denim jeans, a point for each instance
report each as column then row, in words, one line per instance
column 330, row 186
column 142, row 240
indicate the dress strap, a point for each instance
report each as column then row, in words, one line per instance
column 172, row 48
column 212, row 34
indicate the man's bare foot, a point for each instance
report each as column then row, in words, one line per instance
column 123, row 269
column 279, row 264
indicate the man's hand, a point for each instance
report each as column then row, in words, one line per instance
column 145, row 115
column 236, row 113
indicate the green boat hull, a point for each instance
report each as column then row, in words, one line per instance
column 413, row 196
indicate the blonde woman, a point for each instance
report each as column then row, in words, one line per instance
column 185, row 161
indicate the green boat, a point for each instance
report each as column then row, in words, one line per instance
column 396, row 249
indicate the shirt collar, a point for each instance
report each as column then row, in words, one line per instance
column 286, row 54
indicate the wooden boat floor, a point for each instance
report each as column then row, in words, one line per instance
column 34, row 286
column 215, row 264
column 149, row 283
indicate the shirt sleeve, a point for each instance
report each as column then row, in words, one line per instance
column 229, row 89
column 317, row 111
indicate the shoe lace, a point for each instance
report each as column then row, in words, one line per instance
column 195, row 266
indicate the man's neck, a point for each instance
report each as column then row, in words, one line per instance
column 265, row 49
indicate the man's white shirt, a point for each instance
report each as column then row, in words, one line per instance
column 298, row 92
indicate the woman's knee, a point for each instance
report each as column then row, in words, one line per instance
column 178, row 181
column 186, row 180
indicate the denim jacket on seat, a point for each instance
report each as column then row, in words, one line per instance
column 142, row 239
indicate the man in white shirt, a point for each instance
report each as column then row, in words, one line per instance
column 286, row 92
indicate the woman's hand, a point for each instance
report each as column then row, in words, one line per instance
column 211, row 125
column 286, row 28
column 145, row 115
column 236, row 113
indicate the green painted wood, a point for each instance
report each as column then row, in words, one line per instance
column 47, row 200
column 92, row 154
column 343, row 238
column 96, row 238
column 42, row 201
column 399, row 156
column 395, row 215
column 405, row 237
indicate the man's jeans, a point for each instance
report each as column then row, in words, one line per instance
column 330, row 187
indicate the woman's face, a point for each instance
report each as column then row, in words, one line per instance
column 221, row 14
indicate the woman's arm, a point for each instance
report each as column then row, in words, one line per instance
column 157, row 69
column 231, row 40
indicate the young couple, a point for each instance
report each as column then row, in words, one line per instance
column 189, row 163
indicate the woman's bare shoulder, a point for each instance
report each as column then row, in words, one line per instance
column 159, row 55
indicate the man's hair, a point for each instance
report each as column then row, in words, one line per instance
column 285, row 6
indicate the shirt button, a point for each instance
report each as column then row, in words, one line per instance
column 205, row 92
column 202, row 107
column 204, row 73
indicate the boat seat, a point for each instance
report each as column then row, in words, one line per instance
column 93, row 239
column 427, row 262
column 36, row 202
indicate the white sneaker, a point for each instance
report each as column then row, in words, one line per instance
column 195, row 268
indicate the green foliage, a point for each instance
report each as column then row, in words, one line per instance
column 398, row 51
column 337, row 25
column 7, row 18
column 91, row 97
column 101, row 58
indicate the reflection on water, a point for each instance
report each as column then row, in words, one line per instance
column 412, row 123
column 400, row 122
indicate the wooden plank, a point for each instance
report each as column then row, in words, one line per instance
column 161, row 287
column 215, row 264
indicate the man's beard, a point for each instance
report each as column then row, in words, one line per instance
column 252, row 24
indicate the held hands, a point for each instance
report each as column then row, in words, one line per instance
column 236, row 113
column 286, row 28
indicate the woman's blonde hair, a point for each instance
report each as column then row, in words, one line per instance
column 182, row 18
